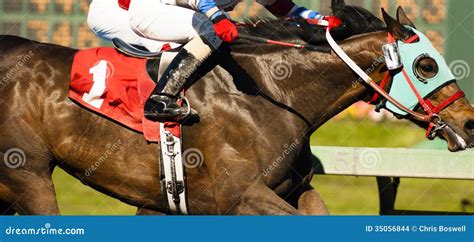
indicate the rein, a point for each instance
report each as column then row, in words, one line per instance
column 284, row 44
column 435, row 124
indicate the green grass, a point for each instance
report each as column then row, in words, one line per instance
column 75, row 198
column 343, row 195
column 358, row 195
column 363, row 133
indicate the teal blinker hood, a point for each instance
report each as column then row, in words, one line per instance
column 400, row 89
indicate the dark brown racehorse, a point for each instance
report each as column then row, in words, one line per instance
column 256, row 115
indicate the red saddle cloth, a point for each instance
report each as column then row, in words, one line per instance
column 116, row 86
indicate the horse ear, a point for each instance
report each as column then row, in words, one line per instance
column 338, row 3
column 403, row 18
column 395, row 28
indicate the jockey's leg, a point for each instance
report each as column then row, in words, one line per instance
column 163, row 102
column 107, row 20
column 155, row 20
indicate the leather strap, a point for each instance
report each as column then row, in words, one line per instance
column 384, row 82
column 421, row 101
column 445, row 103
column 439, row 108
column 412, row 39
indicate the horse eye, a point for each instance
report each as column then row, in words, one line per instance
column 426, row 68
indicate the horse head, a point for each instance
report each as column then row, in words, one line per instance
column 421, row 80
column 420, row 86
column 432, row 81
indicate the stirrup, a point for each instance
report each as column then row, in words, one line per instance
column 164, row 117
column 186, row 102
column 188, row 112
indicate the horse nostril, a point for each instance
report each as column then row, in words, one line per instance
column 469, row 127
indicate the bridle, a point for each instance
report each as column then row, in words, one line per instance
column 431, row 112
column 431, row 115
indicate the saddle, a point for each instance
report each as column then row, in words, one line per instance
column 115, row 83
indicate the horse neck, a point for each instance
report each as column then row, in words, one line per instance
column 319, row 85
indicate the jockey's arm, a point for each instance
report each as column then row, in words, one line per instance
column 287, row 8
column 279, row 8
column 207, row 7
column 227, row 31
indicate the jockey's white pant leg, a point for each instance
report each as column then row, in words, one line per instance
column 153, row 19
column 107, row 20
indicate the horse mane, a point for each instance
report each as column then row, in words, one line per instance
column 357, row 20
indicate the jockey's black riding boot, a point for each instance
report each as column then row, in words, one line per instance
column 162, row 105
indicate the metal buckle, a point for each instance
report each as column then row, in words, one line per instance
column 392, row 56
column 439, row 126
column 188, row 105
